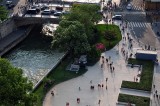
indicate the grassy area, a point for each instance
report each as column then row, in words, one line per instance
column 137, row 100
column 59, row 74
column 146, row 76
column 102, row 28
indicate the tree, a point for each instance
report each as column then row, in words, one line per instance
column 71, row 36
column 93, row 55
column 90, row 9
column 3, row 13
column 14, row 88
column 86, row 14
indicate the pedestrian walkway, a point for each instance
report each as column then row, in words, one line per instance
column 105, row 79
column 155, row 98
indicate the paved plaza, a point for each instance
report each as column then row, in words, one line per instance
column 69, row 91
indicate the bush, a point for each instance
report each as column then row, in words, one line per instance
column 3, row 13
column 93, row 56
column 110, row 35
column 146, row 76
column 137, row 100
column 100, row 47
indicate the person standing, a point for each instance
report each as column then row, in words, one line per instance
column 91, row 82
column 106, row 79
column 52, row 93
column 106, row 87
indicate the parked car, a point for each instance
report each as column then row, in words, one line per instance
column 46, row 12
column 37, row 8
column 8, row 2
column 129, row 7
column 44, row 7
column 57, row 13
column 32, row 11
column 53, row 11
column 117, row 17
column 65, row 12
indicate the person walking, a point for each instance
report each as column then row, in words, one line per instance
column 52, row 93
column 106, row 60
column 101, row 66
column 67, row 103
column 78, row 100
column 154, row 86
column 99, row 102
column 113, row 68
column 91, row 82
column 156, row 91
column 106, row 79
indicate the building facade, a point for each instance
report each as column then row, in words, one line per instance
column 153, row 8
column 152, row 4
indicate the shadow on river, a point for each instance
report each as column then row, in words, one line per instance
column 34, row 55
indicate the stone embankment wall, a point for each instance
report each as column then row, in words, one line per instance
column 7, row 27
column 13, row 43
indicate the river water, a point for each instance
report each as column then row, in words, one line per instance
column 34, row 55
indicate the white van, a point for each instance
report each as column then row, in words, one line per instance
column 129, row 7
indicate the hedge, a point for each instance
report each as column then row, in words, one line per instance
column 137, row 100
column 146, row 76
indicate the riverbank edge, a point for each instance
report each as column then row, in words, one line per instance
column 15, row 42
column 60, row 60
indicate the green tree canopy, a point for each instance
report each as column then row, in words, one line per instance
column 70, row 35
column 14, row 88
column 86, row 14
column 89, row 10
column 3, row 13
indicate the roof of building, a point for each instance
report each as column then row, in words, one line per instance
column 147, row 52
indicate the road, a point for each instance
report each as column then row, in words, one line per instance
column 137, row 21
column 19, row 5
